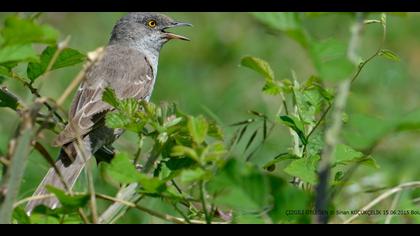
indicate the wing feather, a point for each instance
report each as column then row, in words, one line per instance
column 125, row 70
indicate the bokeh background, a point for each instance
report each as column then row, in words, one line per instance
column 204, row 77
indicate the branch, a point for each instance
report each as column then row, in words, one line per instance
column 332, row 133
column 9, row 189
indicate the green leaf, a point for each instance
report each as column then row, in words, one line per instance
column 121, row 169
column 344, row 154
column 180, row 150
column 23, row 31
column 7, row 99
column 330, row 59
column 129, row 106
column 69, row 201
column 198, row 127
column 110, row 97
column 18, row 53
column 116, row 120
column 215, row 131
column 309, row 103
column 214, row 152
column 271, row 88
column 270, row 166
column 173, row 122
column 296, row 125
column 151, row 184
column 285, row 198
column 390, row 55
column 240, row 186
column 179, row 163
column 260, row 66
column 20, row 216
column 67, row 57
column 192, row 175
column 304, row 168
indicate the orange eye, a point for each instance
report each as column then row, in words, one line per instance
column 151, row 23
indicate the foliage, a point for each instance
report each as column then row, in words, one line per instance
column 201, row 170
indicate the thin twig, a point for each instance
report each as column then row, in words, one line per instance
column 61, row 46
column 392, row 207
column 32, row 198
column 333, row 131
column 86, row 157
column 144, row 209
column 10, row 184
column 203, row 202
column 385, row 195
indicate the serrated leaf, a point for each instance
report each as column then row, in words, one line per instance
column 304, row 168
column 296, row 125
column 129, row 106
column 390, row 55
column 198, row 127
column 69, row 201
column 67, row 57
column 258, row 65
column 22, row 31
column 116, row 120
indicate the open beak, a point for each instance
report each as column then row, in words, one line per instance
column 175, row 36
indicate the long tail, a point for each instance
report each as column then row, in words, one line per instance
column 69, row 175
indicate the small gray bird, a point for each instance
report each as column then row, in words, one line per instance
column 129, row 66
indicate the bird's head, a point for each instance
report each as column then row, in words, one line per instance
column 145, row 30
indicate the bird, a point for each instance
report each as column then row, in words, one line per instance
column 129, row 66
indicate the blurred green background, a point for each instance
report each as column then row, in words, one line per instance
column 204, row 77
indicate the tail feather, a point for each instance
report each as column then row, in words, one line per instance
column 70, row 165
column 69, row 175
